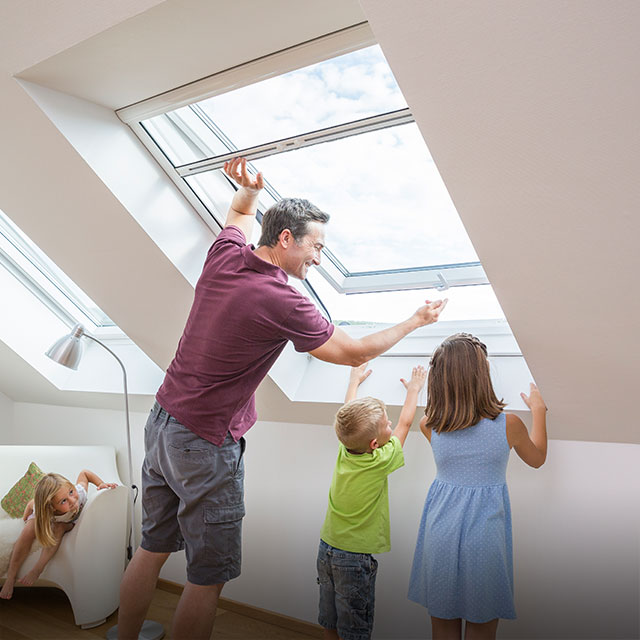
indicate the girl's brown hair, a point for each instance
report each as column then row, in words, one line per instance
column 459, row 389
column 46, row 490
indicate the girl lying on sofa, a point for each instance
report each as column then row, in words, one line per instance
column 52, row 512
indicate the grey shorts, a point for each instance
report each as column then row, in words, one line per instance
column 193, row 498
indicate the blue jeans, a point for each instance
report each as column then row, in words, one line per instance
column 347, row 591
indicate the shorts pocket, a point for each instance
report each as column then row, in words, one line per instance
column 184, row 445
column 217, row 515
column 222, row 553
column 240, row 463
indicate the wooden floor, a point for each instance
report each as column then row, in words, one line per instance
column 45, row 614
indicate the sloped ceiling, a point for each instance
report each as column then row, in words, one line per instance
column 180, row 41
column 529, row 110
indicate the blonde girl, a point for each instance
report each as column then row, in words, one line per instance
column 52, row 512
column 463, row 562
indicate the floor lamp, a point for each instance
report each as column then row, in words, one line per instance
column 67, row 351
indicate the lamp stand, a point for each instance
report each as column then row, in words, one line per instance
column 151, row 630
column 67, row 351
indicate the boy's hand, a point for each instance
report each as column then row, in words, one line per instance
column 534, row 400
column 359, row 374
column 418, row 378
column 107, row 485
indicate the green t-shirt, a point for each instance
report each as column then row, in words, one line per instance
column 358, row 513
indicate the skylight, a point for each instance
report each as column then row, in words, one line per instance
column 34, row 270
column 339, row 133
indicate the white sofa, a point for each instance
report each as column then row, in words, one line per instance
column 91, row 559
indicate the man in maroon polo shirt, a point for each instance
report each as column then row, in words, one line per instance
column 244, row 312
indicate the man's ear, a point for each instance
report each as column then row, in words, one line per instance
column 285, row 238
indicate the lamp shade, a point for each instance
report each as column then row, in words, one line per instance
column 67, row 351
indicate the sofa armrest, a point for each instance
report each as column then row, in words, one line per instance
column 102, row 526
column 91, row 559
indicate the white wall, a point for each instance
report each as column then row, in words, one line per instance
column 6, row 417
column 576, row 527
column 576, row 524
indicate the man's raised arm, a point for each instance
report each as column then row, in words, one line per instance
column 343, row 349
column 242, row 211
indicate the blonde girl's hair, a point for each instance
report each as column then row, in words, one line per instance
column 459, row 389
column 46, row 490
column 357, row 422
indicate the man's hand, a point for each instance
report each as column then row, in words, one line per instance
column 236, row 169
column 430, row 312
column 418, row 378
column 244, row 204
column 359, row 374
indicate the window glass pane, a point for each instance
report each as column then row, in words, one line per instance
column 350, row 87
column 353, row 86
column 388, row 204
column 185, row 137
column 479, row 303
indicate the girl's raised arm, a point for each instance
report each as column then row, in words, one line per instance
column 532, row 449
column 85, row 477
column 28, row 510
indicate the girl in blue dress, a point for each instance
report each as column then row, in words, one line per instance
column 463, row 563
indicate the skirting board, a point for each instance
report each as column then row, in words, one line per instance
column 277, row 619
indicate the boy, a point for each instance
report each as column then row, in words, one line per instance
column 357, row 521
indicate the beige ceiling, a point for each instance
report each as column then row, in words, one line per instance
column 179, row 41
column 529, row 109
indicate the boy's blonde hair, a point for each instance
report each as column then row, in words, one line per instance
column 46, row 490
column 357, row 422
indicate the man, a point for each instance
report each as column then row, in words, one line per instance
column 243, row 314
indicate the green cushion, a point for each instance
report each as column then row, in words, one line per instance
column 22, row 491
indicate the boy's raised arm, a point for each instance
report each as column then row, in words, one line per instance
column 413, row 387
column 356, row 378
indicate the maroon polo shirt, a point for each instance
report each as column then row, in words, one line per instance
column 243, row 314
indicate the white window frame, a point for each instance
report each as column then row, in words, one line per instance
column 439, row 277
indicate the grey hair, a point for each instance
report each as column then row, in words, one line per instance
column 289, row 213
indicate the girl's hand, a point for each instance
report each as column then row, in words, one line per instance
column 534, row 400
column 236, row 169
column 28, row 510
column 107, row 485
column 359, row 374
column 418, row 378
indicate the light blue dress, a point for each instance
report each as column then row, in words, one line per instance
column 463, row 563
